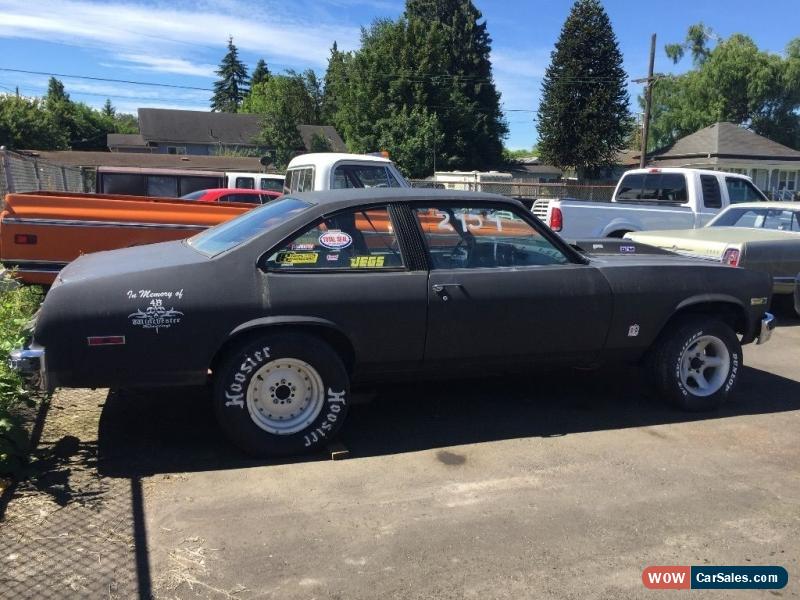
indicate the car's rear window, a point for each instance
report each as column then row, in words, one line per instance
column 247, row 226
column 659, row 187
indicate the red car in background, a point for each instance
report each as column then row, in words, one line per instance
column 240, row 195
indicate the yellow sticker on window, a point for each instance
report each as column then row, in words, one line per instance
column 297, row 258
column 365, row 262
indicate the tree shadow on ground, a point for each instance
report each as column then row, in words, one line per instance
column 167, row 431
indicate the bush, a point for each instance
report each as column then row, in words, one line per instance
column 17, row 306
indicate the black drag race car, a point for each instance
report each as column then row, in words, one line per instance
column 287, row 307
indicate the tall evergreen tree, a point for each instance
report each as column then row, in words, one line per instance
column 232, row 85
column 260, row 73
column 463, row 97
column 583, row 118
column 108, row 109
column 55, row 92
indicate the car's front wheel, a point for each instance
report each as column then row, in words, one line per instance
column 696, row 363
column 281, row 393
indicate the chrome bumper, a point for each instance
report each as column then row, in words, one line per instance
column 767, row 325
column 30, row 364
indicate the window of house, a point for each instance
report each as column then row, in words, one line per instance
column 360, row 240
column 479, row 237
column 176, row 149
column 786, row 180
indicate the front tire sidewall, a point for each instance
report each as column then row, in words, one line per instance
column 672, row 385
column 233, row 378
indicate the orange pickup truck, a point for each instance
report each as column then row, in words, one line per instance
column 40, row 232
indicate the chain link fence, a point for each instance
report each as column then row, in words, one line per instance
column 526, row 190
column 21, row 173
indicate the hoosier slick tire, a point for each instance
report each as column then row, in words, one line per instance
column 696, row 364
column 280, row 394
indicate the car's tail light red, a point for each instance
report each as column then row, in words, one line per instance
column 24, row 238
column 731, row 257
column 556, row 219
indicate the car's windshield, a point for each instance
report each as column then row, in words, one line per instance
column 194, row 195
column 759, row 218
column 247, row 226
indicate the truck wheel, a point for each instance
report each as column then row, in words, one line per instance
column 696, row 364
column 282, row 393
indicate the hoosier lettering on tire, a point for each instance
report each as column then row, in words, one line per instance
column 696, row 365
column 282, row 393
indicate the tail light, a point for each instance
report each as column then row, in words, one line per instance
column 556, row 219
column 25, row 238
column 731, row 257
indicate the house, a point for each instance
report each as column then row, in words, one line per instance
column 774, row 168
column 200, row 133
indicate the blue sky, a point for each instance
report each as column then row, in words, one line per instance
column 180, row 42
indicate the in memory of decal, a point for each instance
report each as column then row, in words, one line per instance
column 155, row 314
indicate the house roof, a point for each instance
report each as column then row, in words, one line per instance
column 125, row 139
column 327, row 131
column 198, row 127
column 726, row 140
column 74, row 158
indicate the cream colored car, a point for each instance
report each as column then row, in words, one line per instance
column 763, row 236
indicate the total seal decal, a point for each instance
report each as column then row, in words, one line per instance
column 237, row 388
column 335, row 239
column 155, row 314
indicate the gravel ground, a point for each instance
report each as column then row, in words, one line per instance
column 558, row 485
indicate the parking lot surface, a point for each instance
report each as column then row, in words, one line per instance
column 559, row 484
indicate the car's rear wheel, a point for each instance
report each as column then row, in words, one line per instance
column 281, row 393
column 696, row 363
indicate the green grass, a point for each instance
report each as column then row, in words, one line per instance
column 17, row 306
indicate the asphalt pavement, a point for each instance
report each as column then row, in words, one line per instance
column 558, row 484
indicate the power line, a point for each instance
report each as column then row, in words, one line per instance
column 107, row 79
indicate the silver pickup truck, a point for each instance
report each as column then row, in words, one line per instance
column 644, row 199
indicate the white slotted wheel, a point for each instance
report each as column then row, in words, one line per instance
column 705, row 365
column 285, row 396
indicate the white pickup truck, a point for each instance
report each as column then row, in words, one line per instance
column 644, row 199
column 336, row 170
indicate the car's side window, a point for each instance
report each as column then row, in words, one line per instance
column 359, row 240
column 741, row 190
column 480, row 237
column 711, row 195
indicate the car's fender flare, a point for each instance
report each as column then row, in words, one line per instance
column 700, row 300
column 620, row 224
column 328, row 330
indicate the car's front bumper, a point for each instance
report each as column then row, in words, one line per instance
column 31, row 365
column 767, row 326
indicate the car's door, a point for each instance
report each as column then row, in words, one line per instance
column 500, row 289
column 350, row 269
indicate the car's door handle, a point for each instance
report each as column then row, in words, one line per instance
column 441, row 289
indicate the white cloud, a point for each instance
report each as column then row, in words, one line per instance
column 165, row 35
column 180, row 66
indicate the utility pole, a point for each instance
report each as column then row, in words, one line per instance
column 648, row 97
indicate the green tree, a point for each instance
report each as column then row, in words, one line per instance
column 108, row 109
column 462, row 93
column 25, row 123
column 333, row 82
column 232, row 86
column 733, row 81
column 284, row 103
column 583, row 118
column 319, row 143
column 55, row 92
column 260, row 73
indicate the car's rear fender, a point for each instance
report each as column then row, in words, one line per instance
column 322, row 328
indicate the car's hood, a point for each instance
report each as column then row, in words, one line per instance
column 129, row 260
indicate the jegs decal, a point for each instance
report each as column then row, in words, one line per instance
column 368, row 262
column 297, row 258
